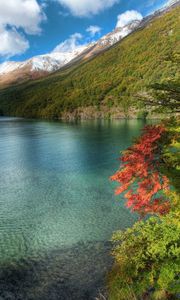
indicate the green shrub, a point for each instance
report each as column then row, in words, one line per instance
column 147, row 259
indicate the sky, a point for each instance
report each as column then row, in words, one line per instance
column 33, row 27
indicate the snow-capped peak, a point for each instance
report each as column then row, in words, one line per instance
column 118, row 33
column 55, row 60
column 171, row 2
column 47, row 62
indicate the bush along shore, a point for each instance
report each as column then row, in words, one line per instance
column 147, row 256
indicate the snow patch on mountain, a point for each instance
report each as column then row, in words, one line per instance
column 171, row 2
column 8, row 67
column 118, row 34
column 57, row 59
column 48, row 62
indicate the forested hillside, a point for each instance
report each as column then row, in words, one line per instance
column 111, row 80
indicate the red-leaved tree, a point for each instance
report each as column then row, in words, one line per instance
column 140, row 175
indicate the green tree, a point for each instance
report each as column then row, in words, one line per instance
column 147, row 259
column 162, row 97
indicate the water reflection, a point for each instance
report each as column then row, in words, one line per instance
column 56, row 203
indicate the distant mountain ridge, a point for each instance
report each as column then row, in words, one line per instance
column 47, row 63
column 109, row 84
column 39, row 66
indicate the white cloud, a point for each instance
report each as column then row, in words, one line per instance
column 12, row 43
column 87, row 7
column 93, row 30
column 70, row 44
column 18, row 14
column 26, row 14
column 127, row 17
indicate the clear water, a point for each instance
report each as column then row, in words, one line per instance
column 57, row 207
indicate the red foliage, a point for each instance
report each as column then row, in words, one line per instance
column 140, row 172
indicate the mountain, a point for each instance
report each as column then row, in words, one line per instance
column 111, row 38
column 171, row 2
column 36, row 67
column 39, row 66
column 118, row 34
column 104, row 83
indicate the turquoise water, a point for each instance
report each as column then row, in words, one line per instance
column 57, row 207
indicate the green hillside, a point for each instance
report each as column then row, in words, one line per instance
column 107, row 82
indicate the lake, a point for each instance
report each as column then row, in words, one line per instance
column 57, row 206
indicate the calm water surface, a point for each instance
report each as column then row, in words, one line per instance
column 57, row 208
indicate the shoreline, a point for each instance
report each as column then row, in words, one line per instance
column 92, row 114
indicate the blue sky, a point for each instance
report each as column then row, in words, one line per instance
column 33, row 27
